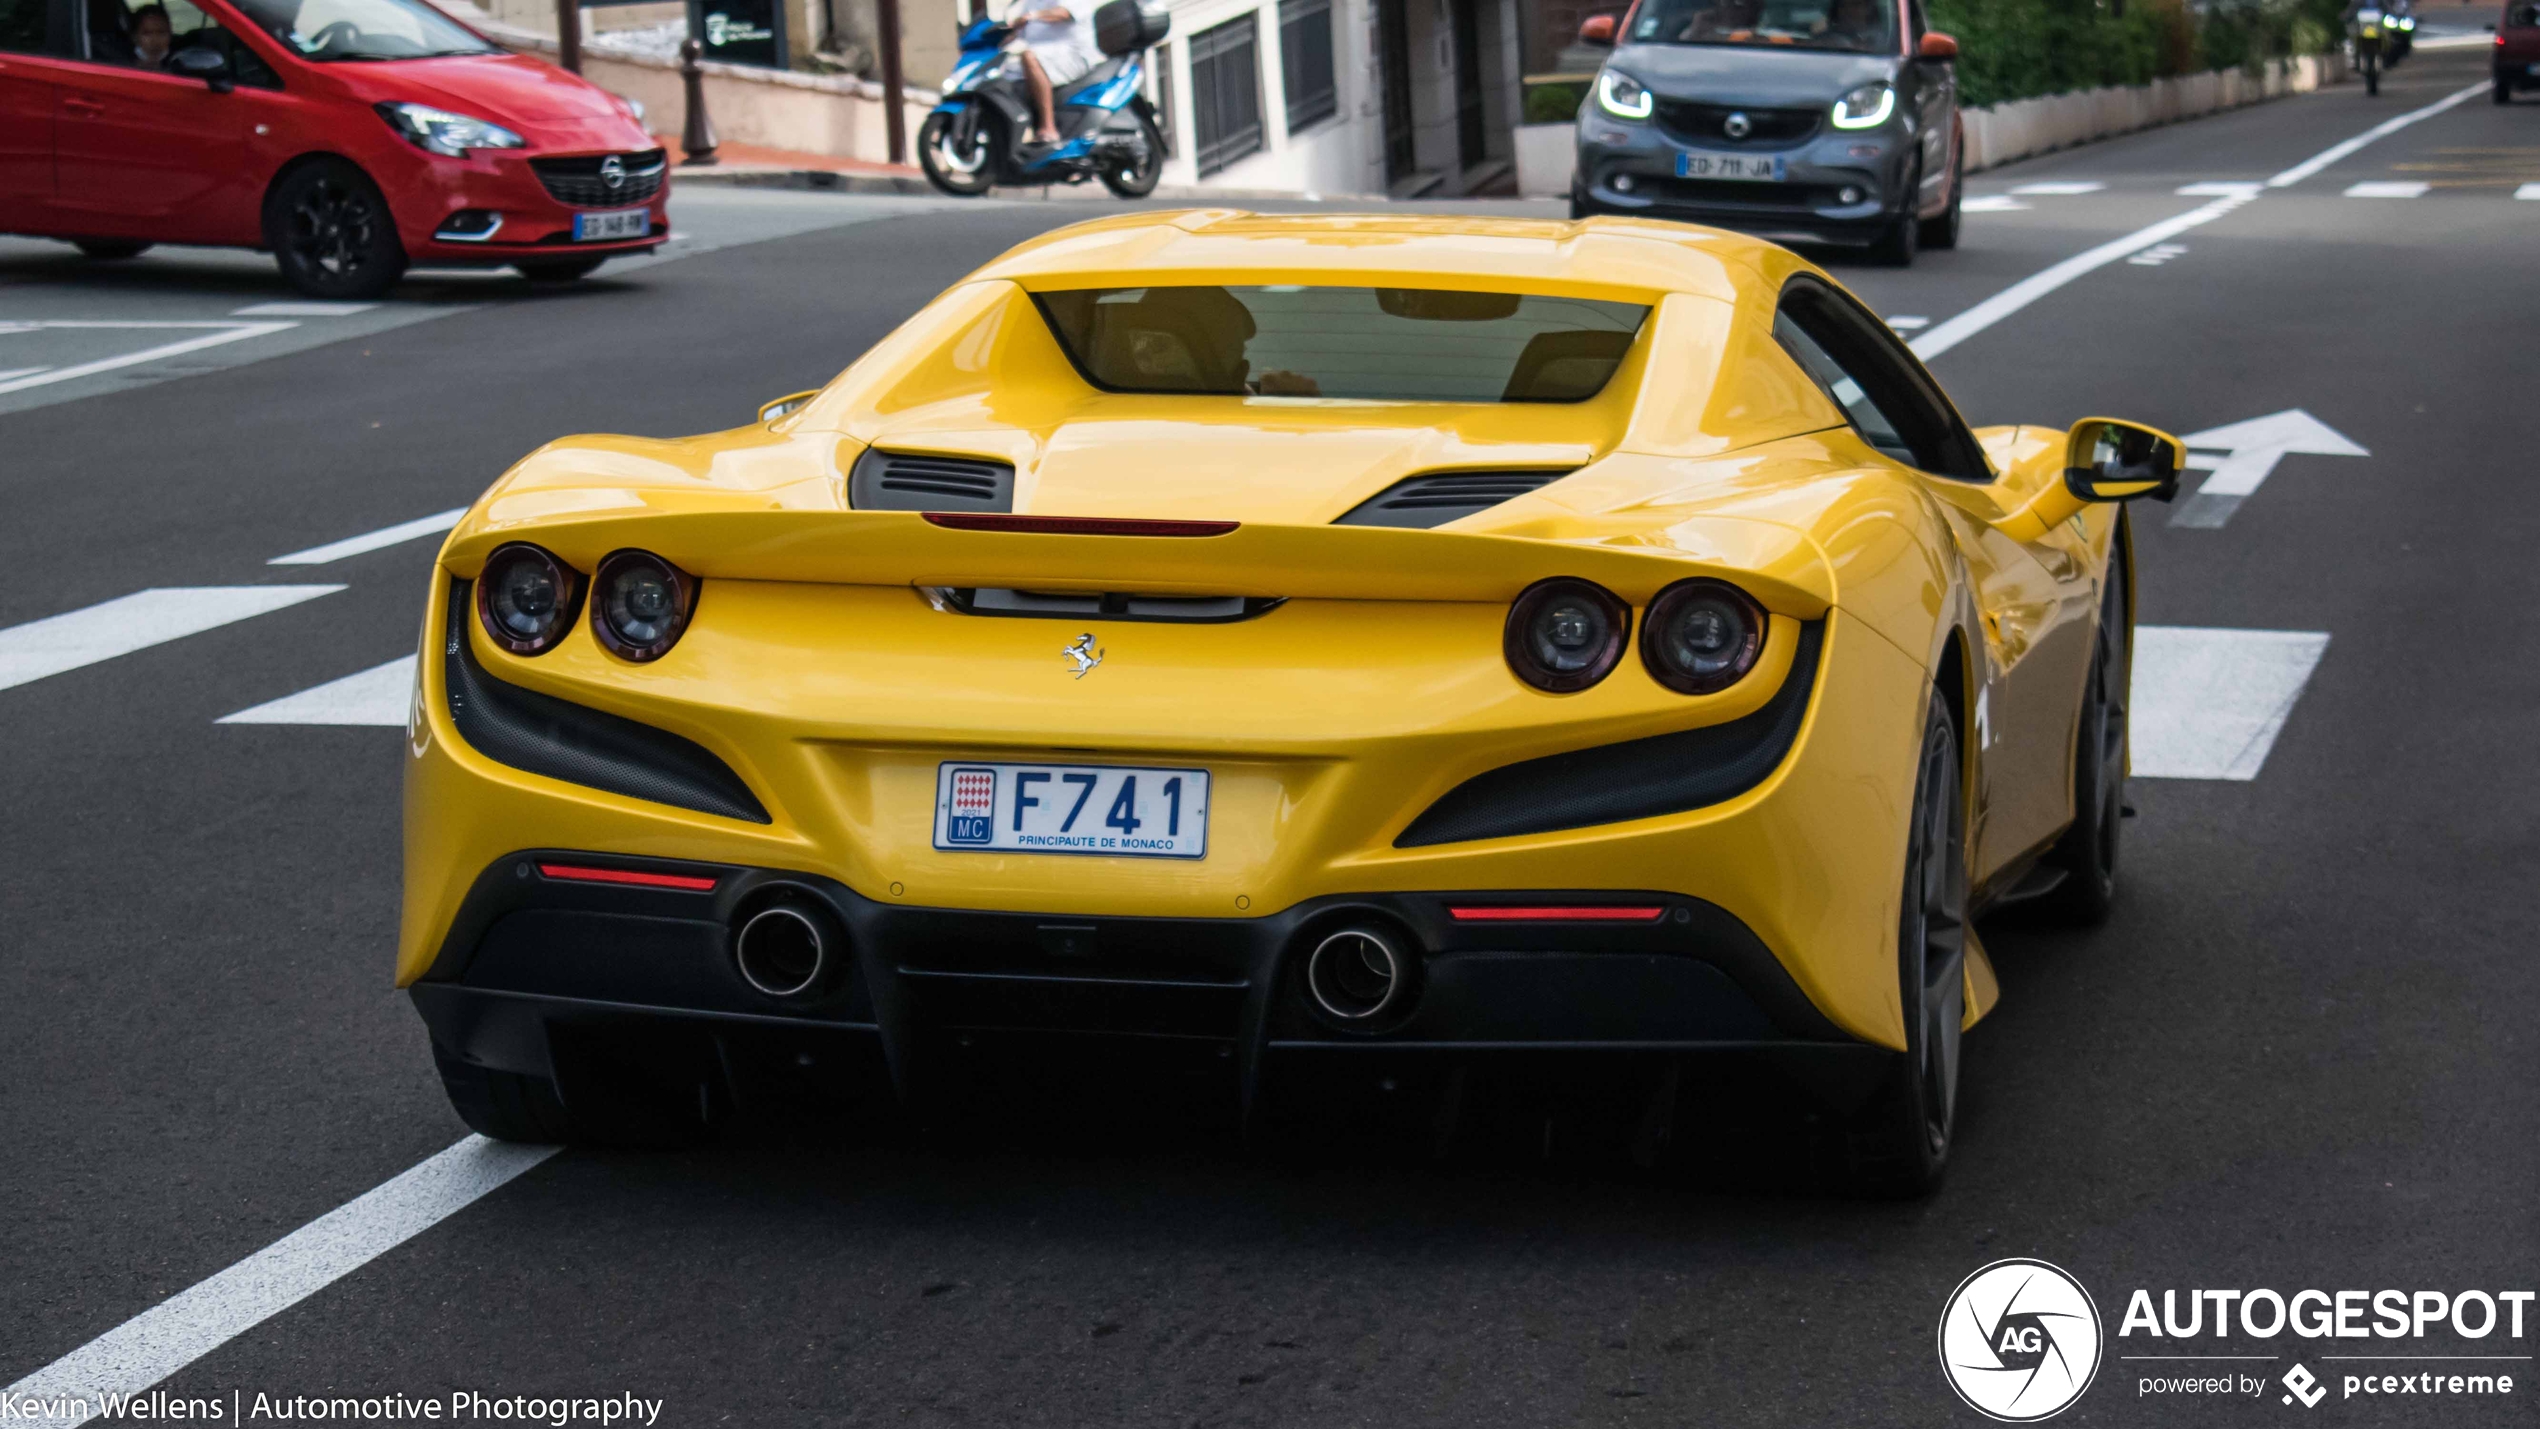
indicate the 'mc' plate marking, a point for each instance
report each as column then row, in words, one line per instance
column 1107, row 810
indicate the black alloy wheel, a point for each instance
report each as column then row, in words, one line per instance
column 1900, row 1145
column 1137, row 180
column 1896, row 243
column 110, row 250
column 331, row 233
column 2088, row 850
column 1941, row 233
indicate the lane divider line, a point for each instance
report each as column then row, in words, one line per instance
column 228, row 332
column 195, row 1321
column 1946, row 335
column 398, row 534
column 377, row 696
column 57, row 643
column 2208, row 704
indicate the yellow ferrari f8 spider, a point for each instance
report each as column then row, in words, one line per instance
column 1301, row 639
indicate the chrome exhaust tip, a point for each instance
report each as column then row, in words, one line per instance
column 1357, row 974
column 782, row 950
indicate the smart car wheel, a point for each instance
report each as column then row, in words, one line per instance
column 1900, row 1145
column 110, row 250
column 331, row 233
column 1942, row 232
column 1138, row 180
column 2088, row 850
column 1896, row 243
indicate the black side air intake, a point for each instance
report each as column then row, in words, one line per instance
column 1637, row 779
column 1440, row 496
column 581, row 745
column 911, row 481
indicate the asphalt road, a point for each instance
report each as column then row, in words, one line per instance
column 2300, row 1055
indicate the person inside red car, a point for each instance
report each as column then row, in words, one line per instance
column 152, row 37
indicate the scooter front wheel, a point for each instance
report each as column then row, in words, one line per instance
column 962, row 169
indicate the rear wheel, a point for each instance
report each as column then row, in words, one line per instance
column 2088, row 850
column 1900, row 1143
column 2372, row 72
column 2504, row 93
column 1138, row 180
column 331, row 233
column 958, row 152
column 110, row 250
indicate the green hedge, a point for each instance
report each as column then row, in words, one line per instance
column 2013, row 49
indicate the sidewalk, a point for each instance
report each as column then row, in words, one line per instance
column 757, row 166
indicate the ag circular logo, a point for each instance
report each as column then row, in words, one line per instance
column 2019, row 1340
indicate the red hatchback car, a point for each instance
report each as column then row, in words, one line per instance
column 2517, row 50
column 349, row 138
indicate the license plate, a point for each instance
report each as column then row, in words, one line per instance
column 1105, row 809
column 2531, row 69
column 1756, row 168
column 617, row 223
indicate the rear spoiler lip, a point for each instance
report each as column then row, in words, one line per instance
column 1783, row 569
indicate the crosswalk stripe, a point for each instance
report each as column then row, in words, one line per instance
column 2387, row 188
column 2208, row 704
column 430, row 525
column 138, row 621
column 1991, row 203
column 2528, row 191
column 2061, row 186
column 376, row 696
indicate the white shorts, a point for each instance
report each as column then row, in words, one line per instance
column 1063, row 64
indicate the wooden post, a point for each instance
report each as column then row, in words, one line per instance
column 886, row 16
column 569, row 34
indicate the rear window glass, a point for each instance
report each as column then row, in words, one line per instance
column 1373, row 344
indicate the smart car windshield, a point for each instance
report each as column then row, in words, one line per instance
column 1374, row 344
column 1859, row 26
column 330, row 30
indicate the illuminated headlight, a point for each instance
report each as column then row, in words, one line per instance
column 641, row 604
column 1866, row 107
column 2406, row 22
column 1623, row 96
column 1564, row 635
column 441, row 132
column 526, row 599
column 1701, row 636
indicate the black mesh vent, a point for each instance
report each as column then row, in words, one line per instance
column 1765, row 128
column 1637, row 779
column 910, row 481
column 581, row 745
column 583, row 182
column 1440, row 496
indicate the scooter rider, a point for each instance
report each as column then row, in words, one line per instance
column 1057, row 49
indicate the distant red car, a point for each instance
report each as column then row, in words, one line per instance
column 2518, row 50
column 349, row 138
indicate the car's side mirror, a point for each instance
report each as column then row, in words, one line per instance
column 1597, row 30
column 2109, row 460
column 209, row 66
column 787, row 406
column 1937, row 46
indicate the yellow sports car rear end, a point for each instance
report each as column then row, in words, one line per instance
column 1297, row 638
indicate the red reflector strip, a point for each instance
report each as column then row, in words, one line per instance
column 681, row 881
column 1590, row 913
column 1076, row 525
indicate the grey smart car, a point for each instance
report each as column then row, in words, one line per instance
column 1804, row 121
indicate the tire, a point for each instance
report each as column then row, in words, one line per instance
column 331, row 233
column 110, row 250
column 1941, row 234
column 2504, row 92
column 946, row 170
column 2088, row 850
column 2372, row 72
column 503, row 1105
column 1579, row 210
column 1138, row 182
column 1899, row 1145
column 561, row 271
column 1894, row 247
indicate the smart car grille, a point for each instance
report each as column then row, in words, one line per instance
column 915, row 481
column 580, row 745
column 1637, row 779
column 583, row 180
column 1742, row 197
column 1709, row 124
column 1438, row 497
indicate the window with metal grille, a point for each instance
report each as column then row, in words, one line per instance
column 1226, row 94
column 1305, row 61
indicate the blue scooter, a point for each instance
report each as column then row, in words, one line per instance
column 980, row 135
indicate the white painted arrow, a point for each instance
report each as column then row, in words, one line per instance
column 2242, row 455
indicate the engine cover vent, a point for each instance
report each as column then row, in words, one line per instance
column 1437, row 497
column 914, row 481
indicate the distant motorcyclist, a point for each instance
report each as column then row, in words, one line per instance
column 1058, row 49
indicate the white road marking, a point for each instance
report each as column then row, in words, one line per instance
column 301, row 310
column 2221, row 188
column 2383, row 188
column 379, row 695
column 1906, row 324
column 2157, row 254
column 223, row 333
column 2528, row 191
column 2061, row 186
column 385, row 536
column 2208, row 704
column 7, row 373
column 192, row 1323
column 1991, row 203
column 2243, row 455
column 138, row 621
column 2382, row 130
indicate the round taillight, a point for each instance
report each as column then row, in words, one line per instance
column 640, row 604
column 1565, row 634
column 526, row 599
column 1701, row 636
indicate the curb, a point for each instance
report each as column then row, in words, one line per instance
column 832, row 181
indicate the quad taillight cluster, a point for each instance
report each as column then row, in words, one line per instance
column 528, row 600
column 1697, row 637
